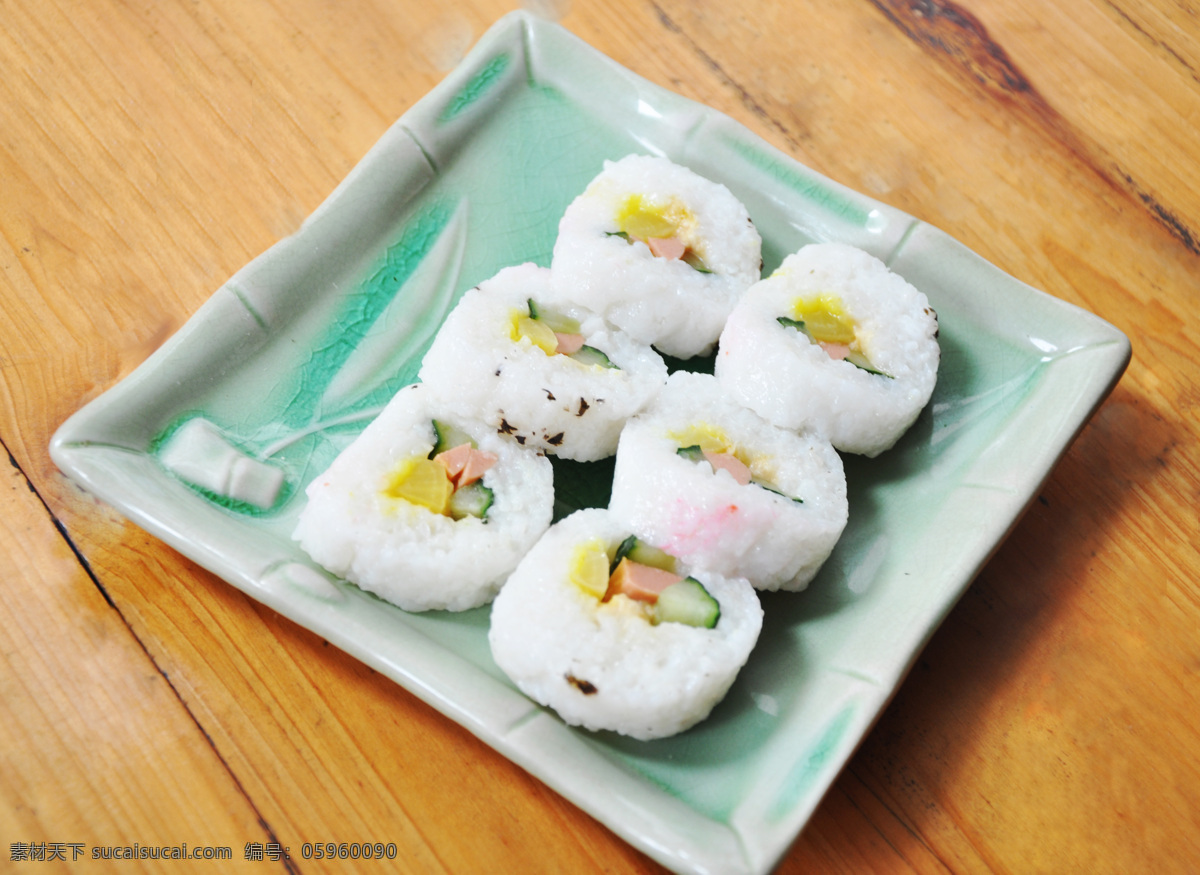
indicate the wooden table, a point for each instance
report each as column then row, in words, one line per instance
column 147, row 151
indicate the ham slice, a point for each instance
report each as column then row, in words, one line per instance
column 568, row 343
column 666, row 247
column 477, row 465
column 836, row 351
column 464, row 464
column 638, row 581
column 728, row 462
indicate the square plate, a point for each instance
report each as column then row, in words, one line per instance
column 290, row 358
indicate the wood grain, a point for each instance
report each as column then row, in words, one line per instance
column 97, row 748
column 148, row 151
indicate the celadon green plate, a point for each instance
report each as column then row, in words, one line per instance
column 210, row 443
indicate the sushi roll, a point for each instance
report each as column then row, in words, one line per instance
column 659, row 251
column 553, row 378
column 425, row 509
column 615, row 636
column 712, row 483
column 835, row 342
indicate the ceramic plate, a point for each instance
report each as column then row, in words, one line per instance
column 210, row 444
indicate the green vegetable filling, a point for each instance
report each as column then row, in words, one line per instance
column 589, row 355
column 689, row 603
column 474, row 500
column 644, row 554
column 689, row 257
column 854, row 357
column 556, row 322
column 696, row 454
column 447, row 437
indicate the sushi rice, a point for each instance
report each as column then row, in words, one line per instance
column 775, row 530
column 603, row 666
column 405, row 553
column 542, row 400
column 796, row 381
column 677, row 304
column 737, row 476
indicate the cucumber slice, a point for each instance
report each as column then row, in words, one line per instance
column 798, row 324
column 777, row 492
column 556, row 322
column 473, row 500
column 589, row 355
column 447, row 437
column 694, row 261
column 692, row 454
column 690, row 258
column 689, row 603
column 855, row 358
column 860, row 361
column 644, row 554
column 622, row 552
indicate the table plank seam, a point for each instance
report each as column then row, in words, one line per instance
column 94, row 578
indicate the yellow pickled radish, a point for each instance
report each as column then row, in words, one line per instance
column 708, row 438
column 422, row 482
column 825, row 320
column 641, row 218
column 536, row 332
column 589, row 567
